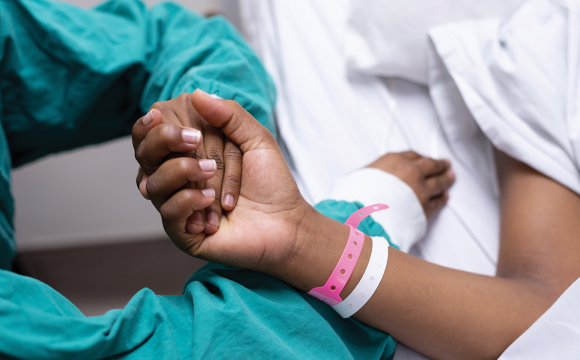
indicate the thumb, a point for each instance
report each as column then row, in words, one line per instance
column 234, row 121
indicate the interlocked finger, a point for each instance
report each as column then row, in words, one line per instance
column 175, row 174
column 214, row 149
column 232, row 175
column 435, row 185
column 162, row 141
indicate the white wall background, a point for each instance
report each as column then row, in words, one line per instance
column 88, row 196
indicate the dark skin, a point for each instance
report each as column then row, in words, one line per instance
column 428, row 178
column 225, row 182
column 440, row 312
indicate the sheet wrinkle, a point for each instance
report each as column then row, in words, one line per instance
column 457, row 137
column 368, row 117
column 457, row 71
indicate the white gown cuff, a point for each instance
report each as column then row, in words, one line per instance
column 404, row 221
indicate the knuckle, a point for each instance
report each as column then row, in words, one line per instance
column 184, row 102
column 197, row 154
column 187, row 196
column 153, row 187
column 158, row 105
column 437, row 168
column 166, row 131
column 216, row 205
column 408, row 154
column 232, row 153
column 185, row 97
column 219, row 159
column 232, row 180
column 139, row 156
column 430, row 163
column 167, row 211
column 183, row 164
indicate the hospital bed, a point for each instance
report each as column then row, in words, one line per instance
column 333, row 118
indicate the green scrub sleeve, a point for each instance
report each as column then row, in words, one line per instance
column 71, row 77
column 223, row 313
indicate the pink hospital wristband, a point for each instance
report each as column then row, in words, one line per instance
column 330, row 292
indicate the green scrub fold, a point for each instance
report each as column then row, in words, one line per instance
column 223, row 313
column 71, row 77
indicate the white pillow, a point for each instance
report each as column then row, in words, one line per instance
column 389, row 37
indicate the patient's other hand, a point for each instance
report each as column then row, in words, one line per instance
column 428, row 178
column 213, row 145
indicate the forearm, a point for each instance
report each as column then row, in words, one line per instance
column 438, row 311
column 446, row 313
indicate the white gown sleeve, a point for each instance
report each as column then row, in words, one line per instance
column 404, row 221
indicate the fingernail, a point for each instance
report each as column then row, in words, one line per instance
column 208, row 192
column 446, row 194
column 190, row 136
column 447, row 162
column 207, row 165
column 197, row 218
column 148, row 118
column 451, row 174
column 213, row 219
column 229, row 200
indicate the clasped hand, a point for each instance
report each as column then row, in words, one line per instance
column 261, row 229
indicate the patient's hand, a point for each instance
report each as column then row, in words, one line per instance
column 212, row 145
column 428, row 178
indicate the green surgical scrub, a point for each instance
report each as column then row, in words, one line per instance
column 72, row 77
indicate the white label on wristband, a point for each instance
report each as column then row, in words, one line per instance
column 369, row 282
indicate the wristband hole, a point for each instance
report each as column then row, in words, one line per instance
column 350, row 256
column 355, row 243
column 342, row 271
column 333, row 288
column 361, row 214
column 376, row 207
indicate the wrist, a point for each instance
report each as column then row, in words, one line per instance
column 319, row 244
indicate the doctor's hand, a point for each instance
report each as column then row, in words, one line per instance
column 200, row 141
column 261, row 232
column 429, row 178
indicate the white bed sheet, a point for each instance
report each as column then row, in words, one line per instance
column 332, row 122
column 520, row 80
